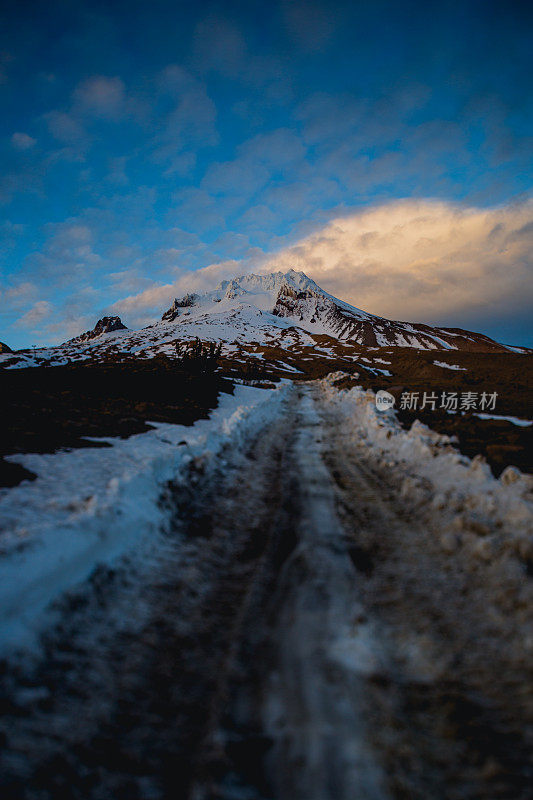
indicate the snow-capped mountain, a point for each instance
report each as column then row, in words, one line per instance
column 295, row 298
column 282, row 318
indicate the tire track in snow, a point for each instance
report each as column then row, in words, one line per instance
column 294, row 728
column 314, row 707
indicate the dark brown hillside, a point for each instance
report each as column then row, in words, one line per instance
column 509, row 375
column 47, row 408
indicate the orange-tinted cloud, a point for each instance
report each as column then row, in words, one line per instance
column 422, row 260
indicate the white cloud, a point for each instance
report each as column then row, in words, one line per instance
column 101, row 96
column 117, row 171
column 259, row 160
column 198, row 210
column 22, row 141
column 187, row 125
column 40, row 311
column 148, row 305
column 67, row 255
column 17, row 296
column 96, row 98
column 65, row 127
column 128, row 280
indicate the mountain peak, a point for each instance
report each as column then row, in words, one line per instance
column 260, row 290
column 269, row 281
column 104, row 325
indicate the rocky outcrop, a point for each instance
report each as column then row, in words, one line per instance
column 174, row 311
column 104, row 325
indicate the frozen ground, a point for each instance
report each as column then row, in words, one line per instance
column 306, row 602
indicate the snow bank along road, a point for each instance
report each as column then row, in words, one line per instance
column 318, row 606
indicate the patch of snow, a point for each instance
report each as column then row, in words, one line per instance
column 287, row 367
column 93, row 505
column 377, row 371
column 523, row 423
column 443, row 343
column 433, row 473
column 516, row 349
column 448, row 366
column 383, row 341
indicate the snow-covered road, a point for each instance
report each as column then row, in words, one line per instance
column 313, row 707
column 325, row 608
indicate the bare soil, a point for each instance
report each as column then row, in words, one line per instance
column 47, row 408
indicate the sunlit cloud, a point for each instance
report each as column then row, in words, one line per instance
column 415, row 260
column 423, row 260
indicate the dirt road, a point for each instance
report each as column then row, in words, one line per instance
column 298, row 632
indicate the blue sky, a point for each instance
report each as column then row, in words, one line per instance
column 142, row 142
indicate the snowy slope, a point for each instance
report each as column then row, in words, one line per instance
column 283, row 310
